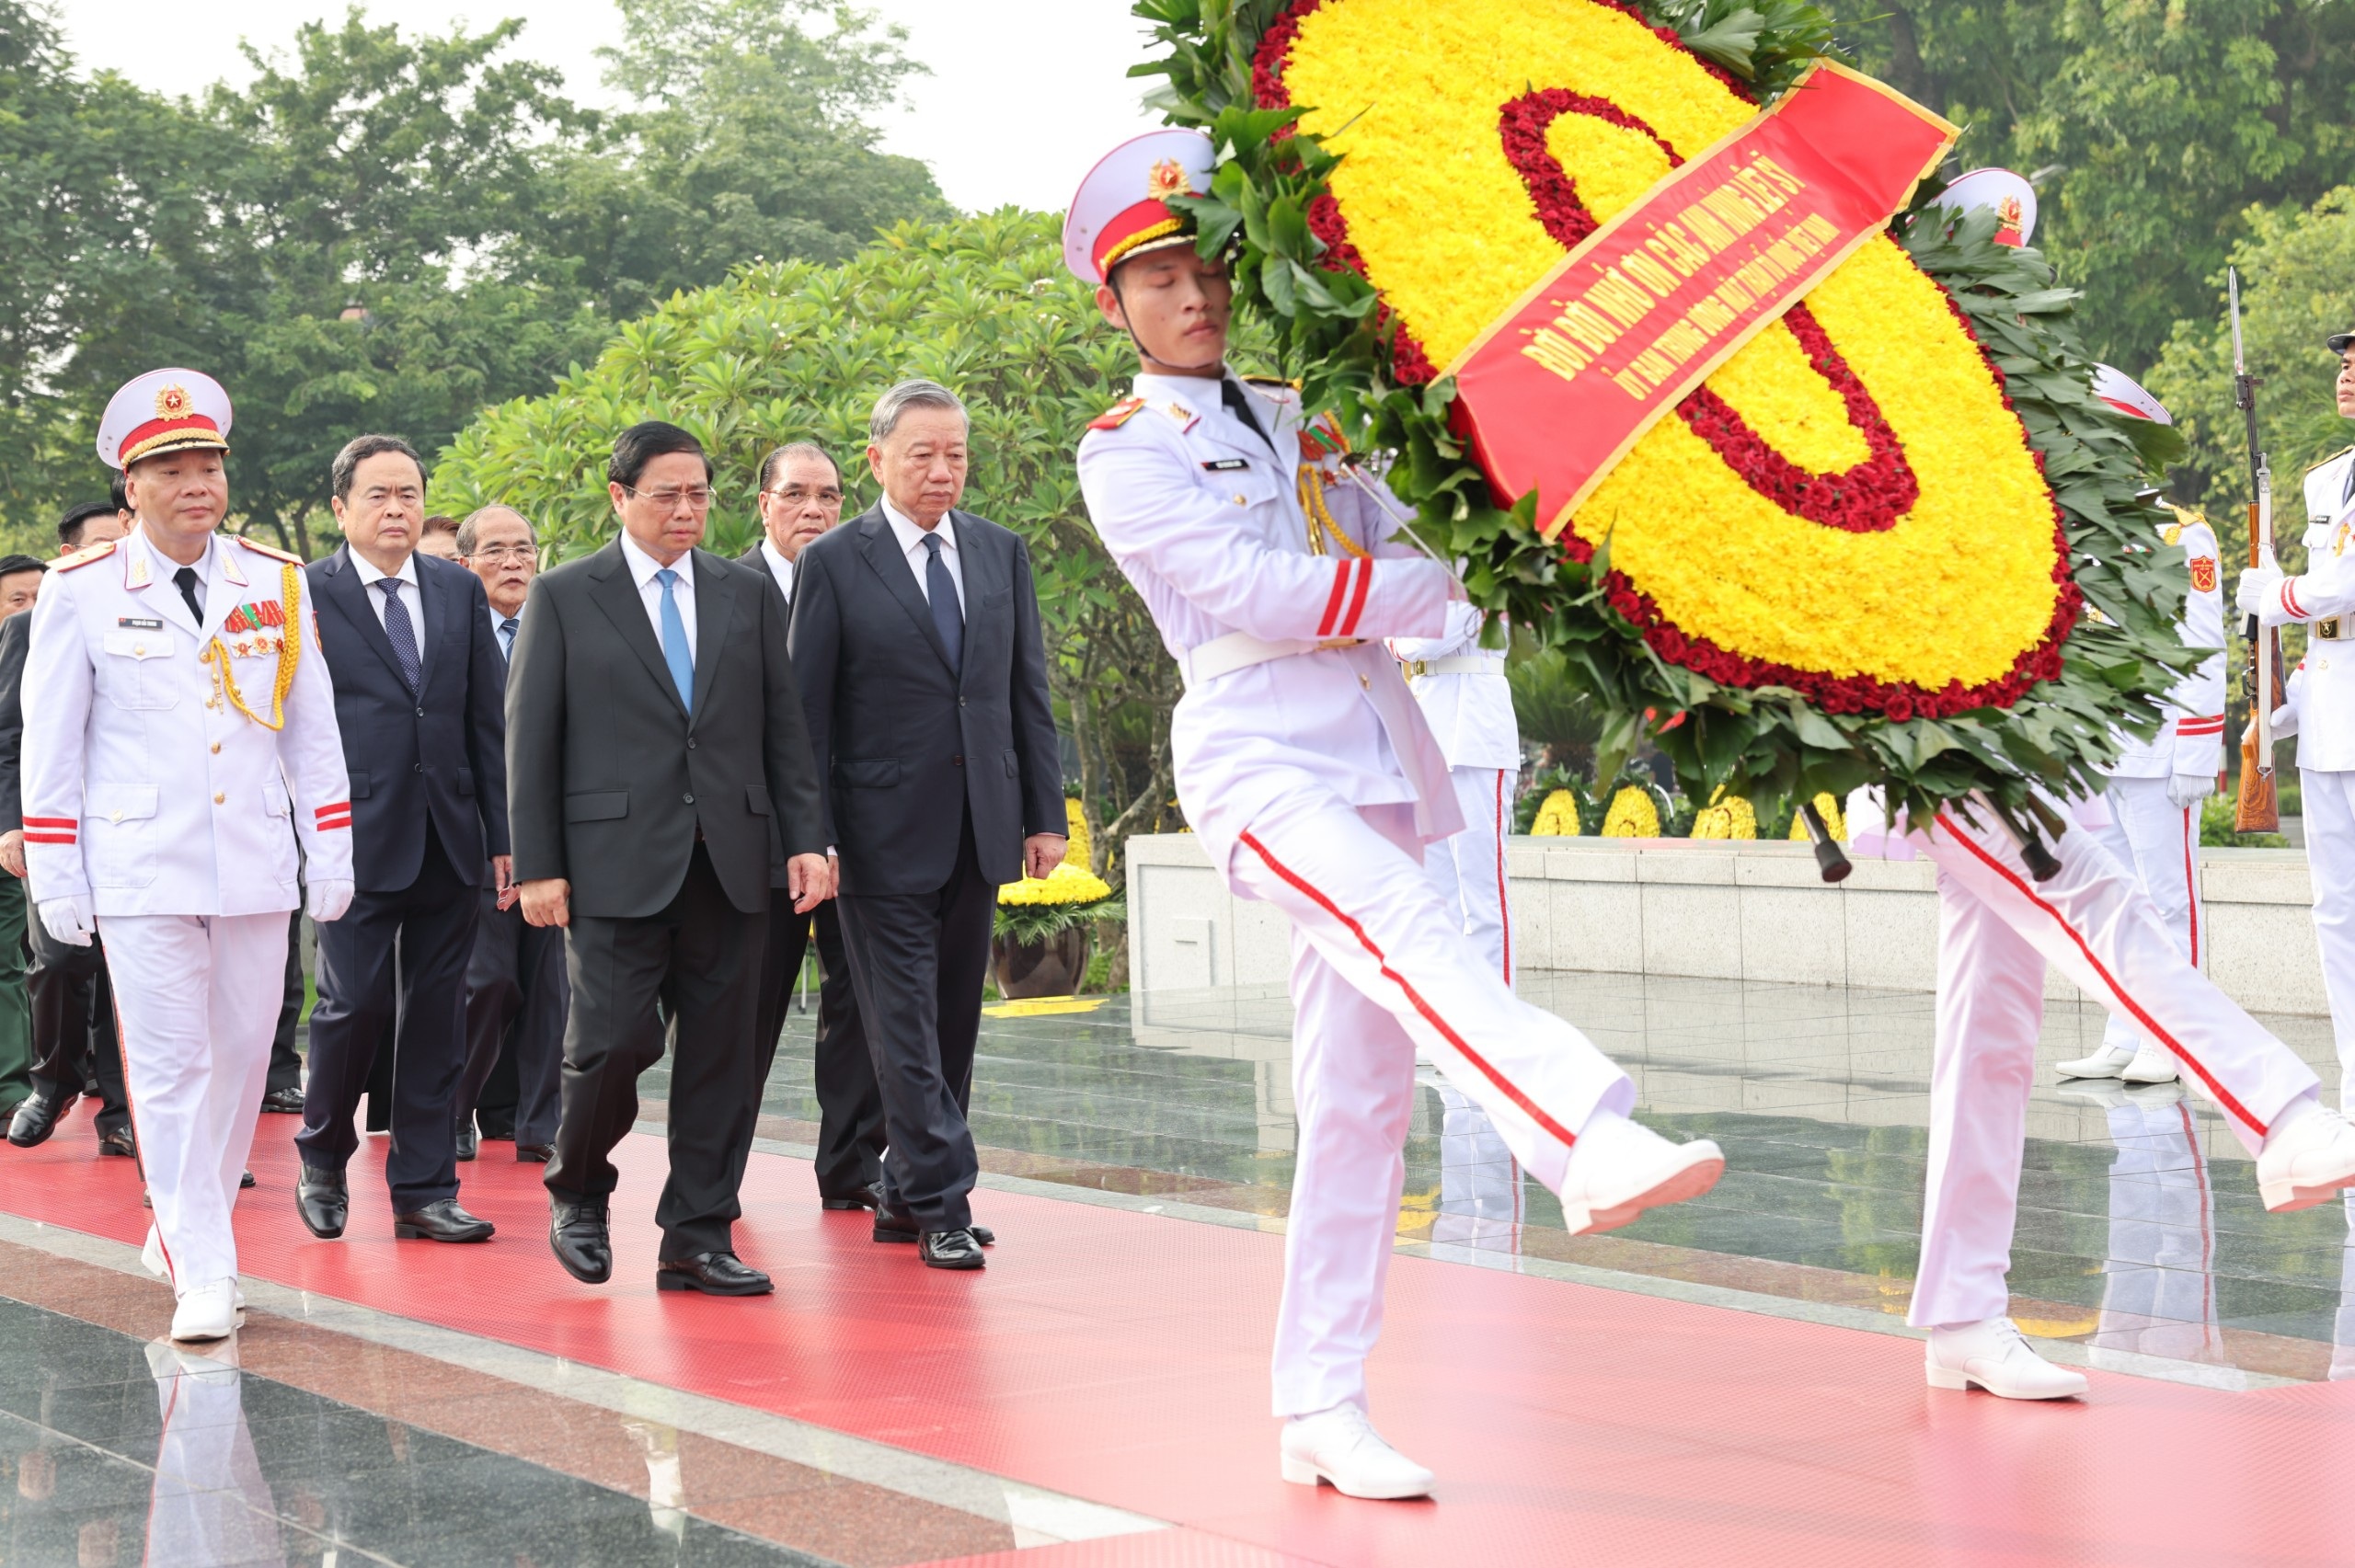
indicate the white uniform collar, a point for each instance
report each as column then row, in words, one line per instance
column 143, row 564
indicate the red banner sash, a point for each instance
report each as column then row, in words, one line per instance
column 1557, row 389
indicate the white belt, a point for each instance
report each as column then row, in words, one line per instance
column 1457, row 664
column 1241, row 650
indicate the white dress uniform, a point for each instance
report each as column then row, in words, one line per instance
column 2146, row 832
column 1462, row 688
column 1314, row 782
column 156, row 797
column 1997, row 930
column 2321, row 713
column 2158, row 1288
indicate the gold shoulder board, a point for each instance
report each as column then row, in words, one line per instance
column 83, row 558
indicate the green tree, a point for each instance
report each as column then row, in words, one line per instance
column 794, row 350
column 2152, row 125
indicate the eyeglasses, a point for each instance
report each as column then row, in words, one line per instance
column 795, row 495
column 696, row 496
column 506, row 553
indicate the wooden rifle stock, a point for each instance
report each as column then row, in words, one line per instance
column 2255, row 810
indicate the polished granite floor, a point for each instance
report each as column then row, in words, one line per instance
column 2140, row 1226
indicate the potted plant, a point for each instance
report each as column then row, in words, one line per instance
column 1040, row 943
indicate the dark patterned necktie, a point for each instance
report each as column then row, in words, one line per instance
column 947, row 615
column 399, row 632
column 507, row 630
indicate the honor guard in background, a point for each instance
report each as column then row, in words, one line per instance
column 1462, row 688
column 2155, row 795
column 1313, row 779
column 2321, row 708
column 177, row 714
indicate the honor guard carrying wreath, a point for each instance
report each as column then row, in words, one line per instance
column 176, row 713
column 1313, row 779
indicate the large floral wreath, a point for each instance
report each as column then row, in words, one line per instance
column 1858, row 545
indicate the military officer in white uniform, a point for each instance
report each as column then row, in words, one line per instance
column 2150, row 824
column 1462, row 688
column 1312, row 780
column 2321, row 709
column 176, row 713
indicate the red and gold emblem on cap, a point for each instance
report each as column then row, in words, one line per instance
column 1166, row 179
column 2203, row 573
column 2008, row 222
column 174, row 403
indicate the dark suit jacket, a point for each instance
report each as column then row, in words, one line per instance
column 16, row 642
column 757, row 562
column 612, row 778
column 903, row 743
column 440, row 752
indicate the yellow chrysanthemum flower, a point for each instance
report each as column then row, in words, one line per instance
column 1557, row 817
column 1828, row 809
column 1632, row 815
column 1726, row 817
column 1079, row 851
column 1067, row 884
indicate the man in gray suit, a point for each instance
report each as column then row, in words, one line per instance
column 658, row 767
column 801, row 497
column 915, row 629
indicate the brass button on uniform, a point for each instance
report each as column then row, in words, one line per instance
column 1364, row 684
column 218, row 797
column 216, row 748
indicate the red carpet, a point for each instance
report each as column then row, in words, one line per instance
column 1120, row 1356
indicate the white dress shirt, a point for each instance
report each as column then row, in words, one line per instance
column 642, row 567
column 912, row 540
column 412, row 598
column 779, row 567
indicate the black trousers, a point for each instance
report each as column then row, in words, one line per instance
column 72, row 1006
column 850, row 1107
column 700, row 959
column 517, row 999
column 285, row 1062
column 431, row 925
column 918, row 961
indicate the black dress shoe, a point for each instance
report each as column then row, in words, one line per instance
column 36, row 1119
column 950, row 1249
column 286, row 1101
column 534, row 1153
column 868, row 1196
column 467, row 1142
column 891, row 1226
column 244, row 1180
column 441, row 1220
column 322, row 1201
column 577, row 1235
column 119, row 1140
column 714, row 1273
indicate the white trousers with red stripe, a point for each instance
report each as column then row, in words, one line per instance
column 1997, row 929
column 1381, row 969
column 2158, row 1288
column 198, row 996
column 2330, row 807
column 2159, row 842
column 1470, row 867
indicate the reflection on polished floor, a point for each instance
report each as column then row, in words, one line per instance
column 2140, row 1226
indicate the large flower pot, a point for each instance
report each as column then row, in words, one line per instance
column 1052, row 968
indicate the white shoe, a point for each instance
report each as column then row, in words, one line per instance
column 1617, row 1169
column 2107, row 1061
column 1994, row 1356
column 208, row 1311
column 2151, row 1065
column 1340, row 1445
column 2307, row 1162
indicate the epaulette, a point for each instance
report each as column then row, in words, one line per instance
column 1112, row 418
column 1275, row 388
column 2172, row 534
column 286, row 556
column 2334, row 457
column 83, row 556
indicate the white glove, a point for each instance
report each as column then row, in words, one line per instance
column 2255, row 592
column 2285, row 721
column 70, row 921
column 329, row 898
column 2186, row 790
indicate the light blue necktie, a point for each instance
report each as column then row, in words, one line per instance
column 675, row 652
column 507, row 630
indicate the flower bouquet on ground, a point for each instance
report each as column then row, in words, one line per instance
column 1042, row 936
column 1647, row 309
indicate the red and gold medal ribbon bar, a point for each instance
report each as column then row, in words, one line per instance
column 1555, row 391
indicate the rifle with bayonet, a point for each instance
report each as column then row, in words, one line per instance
column 2257, row 809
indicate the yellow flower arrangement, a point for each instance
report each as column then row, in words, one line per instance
column 1726, row 817
column 1557, row 817
column 1958, row 592
column 1827, row 808
column 1079, row 850
column 1067, row 884
column 1632, row 815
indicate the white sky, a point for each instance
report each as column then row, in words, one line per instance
column 1024, row 95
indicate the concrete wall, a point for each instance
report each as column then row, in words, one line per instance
column 1713, row 910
